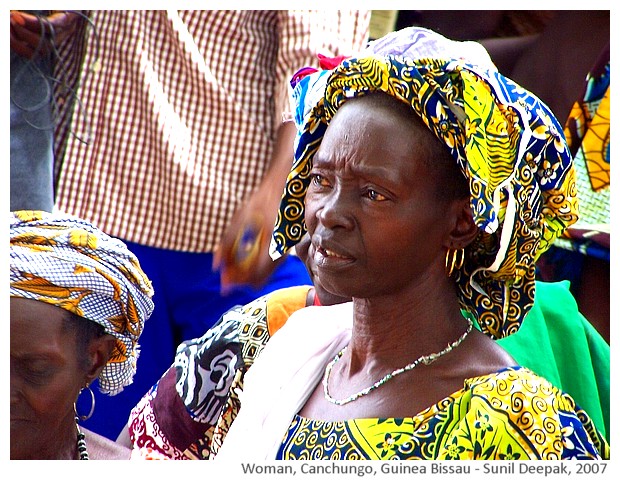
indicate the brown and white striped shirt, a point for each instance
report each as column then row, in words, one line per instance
column 181, row 117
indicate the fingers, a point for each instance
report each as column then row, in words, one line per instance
column 27, row 34
column 21, row 48
column 63, row 24
column 31, row 33
column 256, row 275
column 25, row 20
column 223, row 254
column 240, row 237
column 243, row 254
column 242, row 260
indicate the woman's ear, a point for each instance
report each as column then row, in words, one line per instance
column 99, row 353
column 464, row 230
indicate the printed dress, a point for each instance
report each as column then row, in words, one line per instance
column 188, row 413
column 491, row 418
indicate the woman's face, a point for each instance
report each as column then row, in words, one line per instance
column 45, row 377
column 372, row 210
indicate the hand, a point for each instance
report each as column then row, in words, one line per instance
column 243, row 253
column 34, row 35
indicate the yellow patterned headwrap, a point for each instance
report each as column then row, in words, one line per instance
column 69, row 263
column 506, row 142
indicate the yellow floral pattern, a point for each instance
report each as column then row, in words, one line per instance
column 510, row 415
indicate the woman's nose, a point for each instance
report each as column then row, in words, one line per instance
column 337, row 210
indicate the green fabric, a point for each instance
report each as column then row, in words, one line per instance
column 557, row 342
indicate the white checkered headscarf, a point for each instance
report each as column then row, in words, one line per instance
column 69, row 263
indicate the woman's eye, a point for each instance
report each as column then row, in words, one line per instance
column 38, row 376
column 375, row 196
column 319, row 180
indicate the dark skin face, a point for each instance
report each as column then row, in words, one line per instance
column 380, row 222
column 46, row 377
column 372, row 213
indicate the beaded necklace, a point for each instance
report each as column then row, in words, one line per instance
column 425, row 359
column 81, row 443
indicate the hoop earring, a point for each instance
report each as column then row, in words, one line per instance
column 83, row 418
column 454, row 260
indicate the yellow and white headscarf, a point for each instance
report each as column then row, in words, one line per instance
column 507, row 143
column 69, row 263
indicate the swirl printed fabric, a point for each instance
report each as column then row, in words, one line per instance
column 67, row 262
column 506, row 142
column 491, row 418
column 168, row 418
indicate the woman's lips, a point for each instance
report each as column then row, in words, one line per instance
column 330, row 253
column 326, row 257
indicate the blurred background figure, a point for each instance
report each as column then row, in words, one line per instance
column 41, row 98
column 189, row 155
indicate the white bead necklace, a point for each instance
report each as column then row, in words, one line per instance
column 425, row 359
column 81, row 443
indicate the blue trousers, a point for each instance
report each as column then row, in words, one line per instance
column 187, row 303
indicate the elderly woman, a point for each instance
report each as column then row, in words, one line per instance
column 79, row 300
column 429, row 184
column 187, row 413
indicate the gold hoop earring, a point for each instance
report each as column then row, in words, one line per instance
column 83, row 418
column 454, row 260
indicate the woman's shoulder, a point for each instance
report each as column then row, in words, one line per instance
column 508, row 384
column 245, row 329
column 506, row 375
column 177, row 403
column 518, row 402
column 281, row 304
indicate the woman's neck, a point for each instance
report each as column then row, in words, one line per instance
column 402, row 326
column 63, row 446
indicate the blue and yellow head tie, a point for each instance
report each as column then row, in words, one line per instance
column 507, row 143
